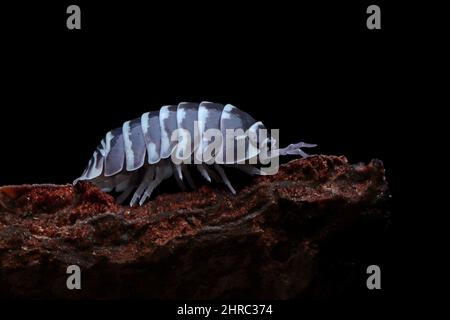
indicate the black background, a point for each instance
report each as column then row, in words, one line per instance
column 312, row 70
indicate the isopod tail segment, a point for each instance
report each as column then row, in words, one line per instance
column 136, row 158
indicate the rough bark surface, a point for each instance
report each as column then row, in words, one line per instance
column 291, row 235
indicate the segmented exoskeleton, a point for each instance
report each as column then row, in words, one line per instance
column 139, row 155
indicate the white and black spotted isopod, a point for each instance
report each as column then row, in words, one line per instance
column 139, row 155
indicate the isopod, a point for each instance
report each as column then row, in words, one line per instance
column 141, row 154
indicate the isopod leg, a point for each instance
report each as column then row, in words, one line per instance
column 224, row 178
column 203, row 172
column 146, row 180
column 178, row 172
column 163, row 171
column 188, row 176
column 207, row 173
column 179, row 177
